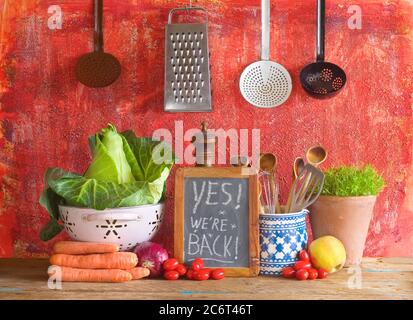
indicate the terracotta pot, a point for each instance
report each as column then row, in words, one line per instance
column 347, row 219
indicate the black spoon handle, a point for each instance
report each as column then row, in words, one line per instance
column 98, row 31
column 321, row 28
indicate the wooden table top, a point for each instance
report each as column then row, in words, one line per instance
column 379, row 278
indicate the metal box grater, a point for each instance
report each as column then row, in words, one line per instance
column 187, row 69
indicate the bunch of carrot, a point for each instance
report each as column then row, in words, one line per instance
column 94, row 262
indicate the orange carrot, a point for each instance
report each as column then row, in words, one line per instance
column 117, row 260
column 77, row 247
column 139, row 273
column 88, row 275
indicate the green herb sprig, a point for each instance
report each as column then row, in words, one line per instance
column 352, row 181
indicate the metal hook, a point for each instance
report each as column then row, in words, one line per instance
column 189, row 7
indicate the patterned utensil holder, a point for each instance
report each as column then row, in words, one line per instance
column 282, row 237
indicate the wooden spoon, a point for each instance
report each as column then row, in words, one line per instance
column 298, row 166
column 316, row 155
column 268, row 163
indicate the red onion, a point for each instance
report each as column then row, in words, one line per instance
column 151, row 255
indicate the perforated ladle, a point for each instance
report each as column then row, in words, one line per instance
column 265, row 83
column 322, row 79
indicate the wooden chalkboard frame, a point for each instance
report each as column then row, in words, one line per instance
column 220, row 172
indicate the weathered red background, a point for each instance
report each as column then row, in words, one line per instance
column 46, row 115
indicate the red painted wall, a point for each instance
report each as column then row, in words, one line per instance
column 46, row 115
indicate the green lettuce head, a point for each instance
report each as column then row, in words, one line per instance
column 126, row 171
column 109, row 160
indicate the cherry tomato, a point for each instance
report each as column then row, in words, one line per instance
column 304, row 256
column 194, row 274
column 322, row 273
column 312, row 273
column 209, row 270
column 301, row 274
column 198, row 264
column 181, row 269
column 201, row 275
column 190, row 274
column 218, row 274
column 170, row 264
column 302, row 265
column 171, row 275
column 288, row 272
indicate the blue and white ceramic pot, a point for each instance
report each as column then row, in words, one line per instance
column 282, row 237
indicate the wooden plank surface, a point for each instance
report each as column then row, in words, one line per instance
column 383, row 278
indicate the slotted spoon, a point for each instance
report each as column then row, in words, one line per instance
column 322, row 79
column 265, row 84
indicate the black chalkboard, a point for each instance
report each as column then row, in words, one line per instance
column 216, row 221
column 215, row 216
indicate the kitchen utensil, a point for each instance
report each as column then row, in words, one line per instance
column 187, row 69
column 98, row 69
column 268, row 163
column 265, row 84
column 306, row 189
column 268, row 192
column 261, row 203
column 124, row 226
column 298, row 166
column 316, row 155
column 322, row 79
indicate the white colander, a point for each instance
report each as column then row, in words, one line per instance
column 124, row 226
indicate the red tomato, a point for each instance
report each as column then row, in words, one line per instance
column 304, row 256
column 170, row 264
column 198, row 264
column 190, row 274
column 312, row 273
column 288, row 272
column 209, row 270
column 218, row 274
column 301, row 274
column 302, row 265
column 181, row 269
column 171, row 275
column 201, row 275
column 322, row 273
column 194, row 274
